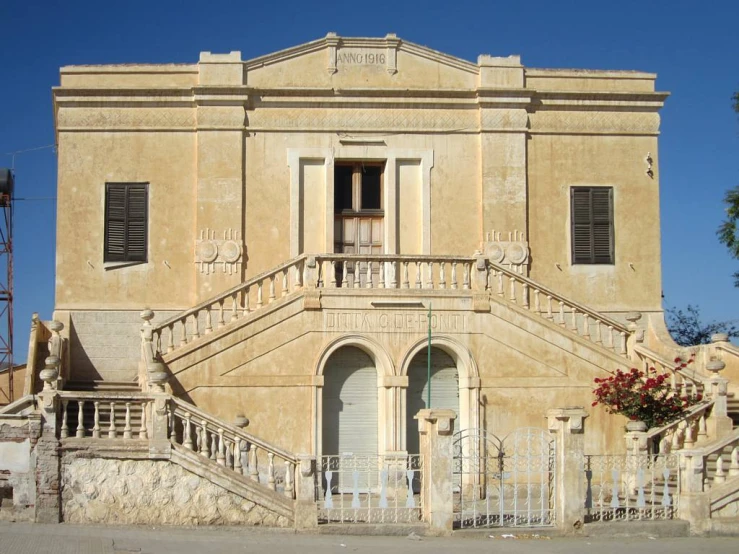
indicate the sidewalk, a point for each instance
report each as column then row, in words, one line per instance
column 23, row 538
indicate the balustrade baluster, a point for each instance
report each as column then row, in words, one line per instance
column 272, row 289
column 204, row 451
column 454, row 276
column 65, row 427
column 170, row 338
column 298, row 276
column 702, row 428
column 357, row 274
column 599, row 332
column 237, row 455
column 550, row 315
column 80, row 432
column 573, row 312
column 419, row 269
column 253, row 461
column 127, row 424
column 622, row 349
column 221, row 453
column 381, row 284
column 501, row 293
column 586, row 323
column 466, row 284
column 208, row 321
column 525, row 294
column 562, row 321
column 537, row 302
column 183, row 323
column 406, row 282
column 333, row 274
column 271, row 471
column 368, row 284
column 143, row 434
column 195, row 326
column 96, row 420
column 318, row 276
column 289, row 468
column 613, row 339
column 285, row 285
column 442, row 276
column 234, row 306
column 229, row 453
column 246, row 302
column 221, row 320
column 512, row 293
column 689, row 439
column 111, row 427
column 393, row 274
column 186, row 437
column 259, row 294
column 214, row 446
column 430, row 276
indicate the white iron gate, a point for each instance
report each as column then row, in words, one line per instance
column 505, row 482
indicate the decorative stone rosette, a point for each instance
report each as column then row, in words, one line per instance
column 212, row 253
column 511, row 250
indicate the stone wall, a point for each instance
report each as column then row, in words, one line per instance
column 18, row 439
column 153, row 493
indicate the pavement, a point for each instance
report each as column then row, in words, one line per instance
column 28, row 538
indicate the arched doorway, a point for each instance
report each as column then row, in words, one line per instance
column 349, row 412
column 444, row 390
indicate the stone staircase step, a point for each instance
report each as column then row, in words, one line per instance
column 103, row 386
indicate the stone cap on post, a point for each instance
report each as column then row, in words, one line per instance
column 572, row 418
column 443, row 418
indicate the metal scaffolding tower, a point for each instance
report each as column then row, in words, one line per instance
column 6, row 276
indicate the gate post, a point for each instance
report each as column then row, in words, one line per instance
column 436, row 429
column 567, row 424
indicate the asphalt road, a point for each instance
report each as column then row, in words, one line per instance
column 21, row 538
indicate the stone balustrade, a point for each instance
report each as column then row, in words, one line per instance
column 232, row 448
column 568, row 314
column 231, row 305
column 356, row 271
column 103, row 416
column 685, row 382
column 686, row 432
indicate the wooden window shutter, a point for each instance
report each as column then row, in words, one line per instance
column 126, row 218
column 592, row 225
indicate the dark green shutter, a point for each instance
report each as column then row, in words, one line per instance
column 592, row 225
column 126, row 215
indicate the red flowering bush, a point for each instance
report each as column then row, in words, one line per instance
column 641, row 396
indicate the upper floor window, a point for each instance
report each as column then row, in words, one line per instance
column 357, row 187
column 126, row 214
column 592, row 225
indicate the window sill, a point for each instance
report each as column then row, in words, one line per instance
column 116, row 265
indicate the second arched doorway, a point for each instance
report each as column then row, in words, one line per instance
column 444, row 390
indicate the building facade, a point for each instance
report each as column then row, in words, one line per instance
column 293, row 225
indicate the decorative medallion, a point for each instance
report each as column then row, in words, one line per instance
column 510, row 250
column 212, row 253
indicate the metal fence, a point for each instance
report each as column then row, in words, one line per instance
column 631, row 487
column 370, row 489
column 505, row 482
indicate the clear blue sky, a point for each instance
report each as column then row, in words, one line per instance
column 692, row 46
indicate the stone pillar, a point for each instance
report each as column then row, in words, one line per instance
column 718, row 424
column 48, row 463
column 436, row 429
column 306, row 510
column 567, row 424
column 479, row 278
column 694, row 505
column 158, row 419
column 221, row 119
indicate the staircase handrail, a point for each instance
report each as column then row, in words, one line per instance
column 105, row 395
column 718, row 445
column 229, row 292
column 727, row 347
column 236, row 431
column 688, row 418
column 655, row 358
column 17, row 406
column 617, row 325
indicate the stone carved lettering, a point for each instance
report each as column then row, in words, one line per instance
column 361, row 57
column 408, row 322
